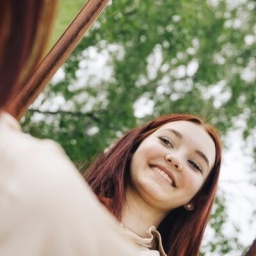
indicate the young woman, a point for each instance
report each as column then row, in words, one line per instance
column 160, row 181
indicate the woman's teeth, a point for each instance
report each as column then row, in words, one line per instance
column 163, row 174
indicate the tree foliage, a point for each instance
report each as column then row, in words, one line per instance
column 147, row 58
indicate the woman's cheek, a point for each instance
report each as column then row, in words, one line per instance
column 193, row 183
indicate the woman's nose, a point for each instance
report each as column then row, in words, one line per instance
column 174, row 161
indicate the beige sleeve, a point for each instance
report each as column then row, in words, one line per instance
column 46, row 208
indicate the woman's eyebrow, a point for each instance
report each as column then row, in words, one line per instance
column 175, row 133
column 201, row 154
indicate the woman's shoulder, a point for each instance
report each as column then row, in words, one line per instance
column 34, row 170
column 20, row 149
column 14, row 140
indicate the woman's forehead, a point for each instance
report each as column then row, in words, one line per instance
column 181, row 125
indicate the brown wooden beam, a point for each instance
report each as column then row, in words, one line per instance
column 56, row 57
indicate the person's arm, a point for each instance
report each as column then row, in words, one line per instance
column 46, row 207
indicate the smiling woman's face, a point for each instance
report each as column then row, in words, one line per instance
column 171, row 165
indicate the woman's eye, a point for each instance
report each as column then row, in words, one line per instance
column 195, row 165
column 166, row 141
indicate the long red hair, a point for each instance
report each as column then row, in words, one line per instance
column 181, row 230
column 24, row 29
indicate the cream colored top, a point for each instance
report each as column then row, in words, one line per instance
column 46, row 208
column 150, row 245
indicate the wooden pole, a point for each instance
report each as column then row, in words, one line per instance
column 56, row 57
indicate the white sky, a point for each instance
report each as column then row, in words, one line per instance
column 240, row 194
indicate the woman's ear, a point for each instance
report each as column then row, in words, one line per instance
column 189, row 206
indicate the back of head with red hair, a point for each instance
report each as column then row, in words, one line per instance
column 181, row 230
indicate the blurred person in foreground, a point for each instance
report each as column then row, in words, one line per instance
column 46, row 207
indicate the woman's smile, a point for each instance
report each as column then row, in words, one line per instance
column 163, row 173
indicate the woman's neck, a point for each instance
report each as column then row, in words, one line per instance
column 139, row 216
